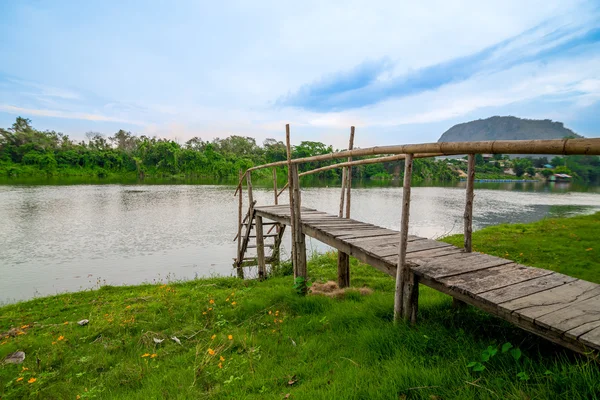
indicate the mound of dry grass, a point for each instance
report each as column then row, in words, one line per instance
column 331, row 289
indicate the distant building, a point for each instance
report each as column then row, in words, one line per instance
column 560, row 178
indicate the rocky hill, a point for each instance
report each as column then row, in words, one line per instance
column 506, row 128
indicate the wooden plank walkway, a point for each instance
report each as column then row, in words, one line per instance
column 560, row 308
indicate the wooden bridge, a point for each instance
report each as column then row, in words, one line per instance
column 560, row 308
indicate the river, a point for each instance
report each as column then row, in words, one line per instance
column 57, row 238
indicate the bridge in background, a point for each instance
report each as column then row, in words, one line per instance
column 560, row 308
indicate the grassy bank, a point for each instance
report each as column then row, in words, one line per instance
column 261, row 340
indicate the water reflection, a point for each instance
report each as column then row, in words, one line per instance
column 56, row 238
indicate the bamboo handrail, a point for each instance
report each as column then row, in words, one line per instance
column 586, row 146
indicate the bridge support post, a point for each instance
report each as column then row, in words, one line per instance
column 407, row 284
column 468, row 217
column 298, row 239
column 343, row 258
column 260, row 248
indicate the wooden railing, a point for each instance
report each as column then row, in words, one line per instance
column 406, row 295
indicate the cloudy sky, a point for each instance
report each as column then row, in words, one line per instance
column 400, row 71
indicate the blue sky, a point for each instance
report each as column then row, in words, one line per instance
column 401, row 72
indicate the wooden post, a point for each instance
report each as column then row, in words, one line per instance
column 291, row 192
column 300, row 240
column 250, row 197
column 468, row 218
column 405, row 298
column 343, row 258
column 260, row 248
column 240, row 270
column 349, row 174
column 275, row 184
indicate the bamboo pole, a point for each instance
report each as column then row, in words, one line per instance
column 401, row 271
column 260, row 248
column 240, row 270
column 585, row 146
column 361, row 162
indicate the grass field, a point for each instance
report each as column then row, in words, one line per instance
column 260, row 340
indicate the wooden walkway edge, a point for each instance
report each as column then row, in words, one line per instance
column 557, row 307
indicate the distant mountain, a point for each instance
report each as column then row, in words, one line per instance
column 507, row 128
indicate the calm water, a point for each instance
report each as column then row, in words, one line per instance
column 65, row 238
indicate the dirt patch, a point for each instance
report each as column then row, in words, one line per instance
column 331, row 289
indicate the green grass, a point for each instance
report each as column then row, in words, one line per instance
column 309, row 347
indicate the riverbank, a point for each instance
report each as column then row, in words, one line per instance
column 249, row 339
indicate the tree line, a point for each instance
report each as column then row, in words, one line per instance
column 26, row 151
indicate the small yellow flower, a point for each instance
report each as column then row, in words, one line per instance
column 221, row 358
column 233, row 303
column 590, row 249
column 31, row 380
column 78, row 397
column 211, row 352
column 220, row 365
column 281, row 321
column 145, row 355
column 66, row 323
column 233, row 293
column 19, row 379
column 25, row 369
column 53, row 343
column 128, row 307
column 230, row 337
column 153, row 356
column 209, row 308
column 211, row 301
column 20, row 333
column 213, row 337
column 270, row 312
column 3, row 343
column 61, row 337
column 203, row 312
column 25, row 327
column 227, row 299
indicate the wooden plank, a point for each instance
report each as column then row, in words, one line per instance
column 493, row 278
column 414, row 246
column 591, row 338
column 575, row 333
column 580, row 313
column 542, row 303
column 526, row 288
column 365, row 242
column 443, row 268
column 426, row 255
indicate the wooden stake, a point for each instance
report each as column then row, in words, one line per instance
column 260, row 248
column 240, row 270
column 404, row 284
